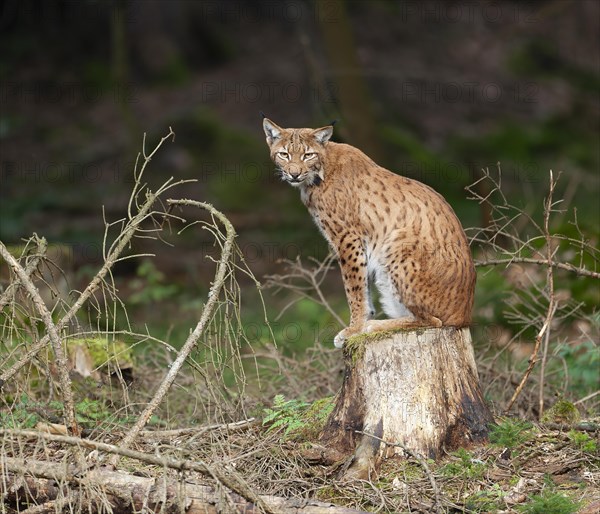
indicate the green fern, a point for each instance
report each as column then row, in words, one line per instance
column 285, row 414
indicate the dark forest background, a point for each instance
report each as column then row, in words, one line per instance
column 435, row 90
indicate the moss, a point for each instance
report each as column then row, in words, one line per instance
column 400, row 467
column 328, row 493
column 562, row 412
column 355, row 345
column 490, row 500
column 514, row 480
column 320, row 410
column 315, row 417
column 411, row 471
column 102, row 351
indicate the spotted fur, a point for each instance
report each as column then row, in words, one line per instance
column 385, row 229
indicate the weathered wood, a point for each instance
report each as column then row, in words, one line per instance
column 34, row 482
column 416, row 389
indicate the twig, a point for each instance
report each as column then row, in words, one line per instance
column 229, row 427
column 116, row 249
column 586, row 398
column 532, row 361
column 550, row 283
column 42, row 246
column 190, row 344
column 313, row 277
column 59, row 354
column 228, row 479
column 438, row 502
column 504, row 231
column 544, row 332
column 582, row 272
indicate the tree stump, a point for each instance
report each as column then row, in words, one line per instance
column 416, row 390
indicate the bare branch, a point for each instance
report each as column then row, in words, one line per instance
column 207, row 313
column 580, row 271
column 544, row 332
column 118, row 246
column 59, row 354
column 42, row 246
column 305, row 283
column 550, row 252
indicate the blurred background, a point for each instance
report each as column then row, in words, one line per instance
column 434, row 90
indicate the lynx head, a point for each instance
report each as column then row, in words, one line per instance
column 299, row 154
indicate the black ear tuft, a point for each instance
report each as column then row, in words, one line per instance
column 332, row 123
column 262, row 114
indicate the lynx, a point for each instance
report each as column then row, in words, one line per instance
column 384, row 228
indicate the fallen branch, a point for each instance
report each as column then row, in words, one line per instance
column 178, row 432
column 586, row 398
column 27, row 481
column 54, row 505
column 228, row 478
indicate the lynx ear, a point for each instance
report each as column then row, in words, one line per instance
column 272, row 131
column 323, row 134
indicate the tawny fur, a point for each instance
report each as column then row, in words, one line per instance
column 384, row 228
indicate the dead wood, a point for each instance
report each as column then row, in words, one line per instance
column 28, row 482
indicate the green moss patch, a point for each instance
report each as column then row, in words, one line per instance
column 563, row 412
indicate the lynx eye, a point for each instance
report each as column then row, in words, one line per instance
column 309, row 155
column 283, row 155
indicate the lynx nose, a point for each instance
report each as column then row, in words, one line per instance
column 294, row 172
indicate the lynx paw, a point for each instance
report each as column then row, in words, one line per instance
column 340, row 339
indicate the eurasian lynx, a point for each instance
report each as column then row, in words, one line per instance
column 384, row 228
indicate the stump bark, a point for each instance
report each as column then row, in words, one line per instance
column 415, row 390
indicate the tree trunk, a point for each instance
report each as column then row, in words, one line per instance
column 359, row 125
column 415, row 391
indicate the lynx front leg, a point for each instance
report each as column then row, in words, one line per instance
column 353, row 264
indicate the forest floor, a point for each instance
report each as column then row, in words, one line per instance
column 547, row 468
